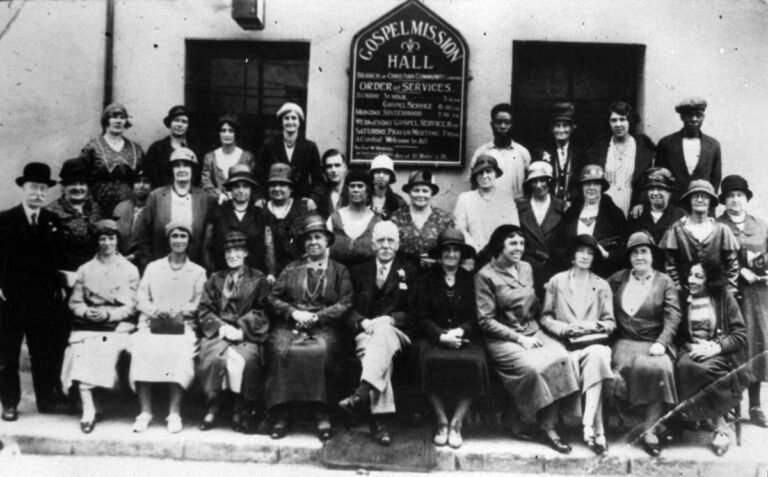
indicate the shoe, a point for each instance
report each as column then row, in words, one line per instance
column 556, row 443
column 653, row 450
column 142, row 422
column 174, row 425
column 720, row 443
column 278, row 429
column 441, row 436
column 354, row 405
column 324, row 430
column 9, row 413
column 599, row 445
column 209, row 422
column 54, row 407
column 757, row 417
column 380, row 433
column 454, row 437
column 87, row 426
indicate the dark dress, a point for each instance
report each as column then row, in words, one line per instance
column 711, row 387
column 79, row 231
column 158, row 165
column 305, row 165
column 348, row 251
column 225, row 220
column 285, row 234
column 438, row 308
column 301, row 361
column 111, row 171
column 657, row 229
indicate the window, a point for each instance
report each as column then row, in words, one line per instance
column 590, row 75
column 249, row 79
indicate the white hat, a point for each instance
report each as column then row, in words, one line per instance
column 384, row 162
column 291, row 107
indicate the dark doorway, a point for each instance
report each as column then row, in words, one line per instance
column 249, row 79
column 590, row 75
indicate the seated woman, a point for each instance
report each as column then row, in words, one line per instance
column 234, row 326
column 578, row 304
column 451, row 356
column 714, row 346
column 308, row 301
column 164, row 347
column 352, row 225
column 647, row 310
column 103, row 303
column 534, row 368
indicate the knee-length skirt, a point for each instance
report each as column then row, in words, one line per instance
column 649, row 379
column 91, row 358
column 159, row 358
column 453, row 372
column 710, row 388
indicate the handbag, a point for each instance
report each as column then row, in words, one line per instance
column 172, row 324
column 582, row 341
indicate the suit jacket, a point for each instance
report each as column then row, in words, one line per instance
column 153, row 243
column 392, row 299
column 670, row 155
column 435, row 314
column 128, row 232
column 658, row 317
column 540, row 239
column 564, row 180
column 644, row 157
column 305, row 165
column 157, row 162
column 560, row 309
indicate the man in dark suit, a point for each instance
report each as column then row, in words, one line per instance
column 690, row 154
column 327, row 196
column 30, row 240
column 380, row 320
column 565, row 157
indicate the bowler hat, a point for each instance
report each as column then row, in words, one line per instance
column 235, row 239
column 183, row 154
column 485, row 162
column 74, row 170
column 699, row 185
column 731, row 183
column 421, row 178
column 564, row 112
column 383, row 162
column 452, row 236
column 691, row 103
column 106, row 227
column 315, row 223
column 240, row 173
column 36, row 172
column 659, row 177
column 641, row 237
column 178, row 110
column 279, row 173
column 593, row 172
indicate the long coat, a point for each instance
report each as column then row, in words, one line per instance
column 644, row 156
column 670, row 155
column 158, row 165
column 305, row 165
column 540, row 239
column 564, row 179
column 153, row 243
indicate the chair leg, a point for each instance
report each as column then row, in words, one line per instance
column 737, row 423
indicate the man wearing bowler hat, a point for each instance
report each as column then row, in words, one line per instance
column 30, row 239
column 690, row 154
column 159, row 153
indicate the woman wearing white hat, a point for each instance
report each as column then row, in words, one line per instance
column 384, row 201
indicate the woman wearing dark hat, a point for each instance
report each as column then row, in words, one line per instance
column 534, row 368
column 451, row 356
column 594, row 213
column 217, row 163
column 178, row 122
column 623, row 156
column 647, row 309
column 103, row 303
column 752, row 234
column 352, row 225
column 293, row 150
column 540, row 215
column 112, row 159
column 578, row 310
column 164, row 347
column 127, row 214
column 384, row 201
column 284, row 217
column 420, row 224
column 309, row 300
column 697, row 236
column 234, row 325
column 242, row 215
column 710, row 372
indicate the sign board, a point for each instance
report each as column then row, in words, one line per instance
column 408, row 90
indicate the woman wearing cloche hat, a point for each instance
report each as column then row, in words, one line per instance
column 752, row 234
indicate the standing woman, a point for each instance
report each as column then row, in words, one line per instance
column 164, row 347
column 624, row 157
column 534, row 368
column 647, row 310
column 284, row 217
column 451, row 355
column 579, row 303
column 698, row 236
column 112, row 159
column 309, row 300
column 217, row 163
column 293, row 149
column 352, row 225
column 103, row 303
column 384, row 201
column 421, row 223
column 752, row 234
column 714, row 348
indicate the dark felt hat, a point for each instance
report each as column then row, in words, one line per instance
column 178, row 110
column 484, row 162
column 731, row 183
column 452, row 236
column 280, row 173
column 358, row 175
column 36, row 172
column 421, row 178
column 641, row 237
column 240, row 173
column 315, row 223
column 660, row 177
column 585, row 240
column 74, row 170
column 235, row 239
column 563, row 112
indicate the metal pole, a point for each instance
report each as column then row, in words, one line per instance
column 109, row 51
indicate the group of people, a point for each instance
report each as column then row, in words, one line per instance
column 586, row 275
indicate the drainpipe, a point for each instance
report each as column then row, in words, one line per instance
column 109, row 51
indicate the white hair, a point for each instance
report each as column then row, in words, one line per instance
column 385, row 228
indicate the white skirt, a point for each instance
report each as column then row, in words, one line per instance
column 91, row 358
column 163, row 358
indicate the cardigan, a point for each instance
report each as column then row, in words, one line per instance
column 212, row 177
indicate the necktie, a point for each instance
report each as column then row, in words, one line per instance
column 33, row 217
column 381, row 276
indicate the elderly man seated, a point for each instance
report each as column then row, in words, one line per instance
column 380, row 318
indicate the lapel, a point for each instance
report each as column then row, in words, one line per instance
column 528, row 220
column 553, row 216
column 589, row 300
column 393, row 279
column 677, row 151
column 164, row 211
column 705, row 156
column 247, row 286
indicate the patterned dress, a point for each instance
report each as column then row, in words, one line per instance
column 414, row 241
column 285, row 234
column 111, row 171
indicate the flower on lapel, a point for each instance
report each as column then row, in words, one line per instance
column 401, row 276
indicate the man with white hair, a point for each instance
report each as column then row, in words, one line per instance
column 380, row 319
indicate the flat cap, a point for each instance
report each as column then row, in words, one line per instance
column 694, row 102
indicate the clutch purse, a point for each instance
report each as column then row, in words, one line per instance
column 582, row 341
column 172, row 325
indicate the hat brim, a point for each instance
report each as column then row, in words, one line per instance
column 467, row 251
column 658, row 185
column 70, row 180
column 498, row 171
column 392, row 175
column 721, row 197
column 685, row 197
column 564, row 119
column 280, row 181
column 407, row 187
column 603, row 181
column 532, row 178
column 331, row 237
column 21, row 180
column 231, row 182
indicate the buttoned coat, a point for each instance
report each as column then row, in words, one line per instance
column 540, row 239
column 670, row 155
column 559, row 312
column 305, row 165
